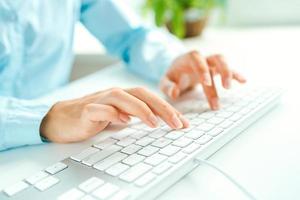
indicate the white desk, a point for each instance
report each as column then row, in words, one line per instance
column 264, row 159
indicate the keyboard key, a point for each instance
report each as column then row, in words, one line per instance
column 233, row 108
column 105, row 143
column 105, row 191
column 145, row 141
column 56, row 168
column 121, row 195
column 72, row 194
column 157, row 133
column 194, row 134
column 182, row 142
column 169, row 150
column 244, row 111
column 133, row 159
column 207, row 115
column 173, row 135
column 214, row 132
column 191, row 148
column 205, row 127
column 101, row 155
column 117, row 169
column 109, row 161
column 224, row 114
column 85, row 153
column 46, row 183
column 190, row 115
column 253, row 105
column 123, row 133
column 155, row 159
column 235, row 117
column 148, row 151
column 131, row 149
column 204, row 139
column 144, row 180
column 166, row 128
column 88, row 197
column 226, row 124
column 177, row 157
column 126, row 142
column 188, row 129
column 139, row 134
column 161, row 142
column 134, row 172
column 197, row 121
column 215, row 120
column 91, row 184
column 15, row 188
column 36, row 177
column 162, row 168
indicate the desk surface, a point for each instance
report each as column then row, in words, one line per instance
column 264, row 159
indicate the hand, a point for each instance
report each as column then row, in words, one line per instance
column 191, row 69
column 79, row 119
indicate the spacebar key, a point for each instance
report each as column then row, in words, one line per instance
column 135, row 172
column 101, row 155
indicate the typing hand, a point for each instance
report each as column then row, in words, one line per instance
column 79, row 119
column 191, row 69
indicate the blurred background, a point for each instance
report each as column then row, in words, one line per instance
column 189, row 18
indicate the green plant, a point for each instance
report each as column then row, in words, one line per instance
column 173, row 11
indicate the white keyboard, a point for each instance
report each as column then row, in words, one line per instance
column 141, row 162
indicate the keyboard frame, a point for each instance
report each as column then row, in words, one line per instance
column 78, row 172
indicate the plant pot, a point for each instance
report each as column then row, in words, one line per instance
column 194, row 23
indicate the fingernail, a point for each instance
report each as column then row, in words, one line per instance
column 153, row 120
column 184, row 121
column 176, row 122
column 215, row 103
column 227, row 83
column 124, row 118
column 207, row 79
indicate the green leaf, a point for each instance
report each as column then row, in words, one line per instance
column 159, row 11
column 177, row 22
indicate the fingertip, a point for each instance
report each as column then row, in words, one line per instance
column 214, row 104
column 124, row 118
column 184, row 121
column 227, row 83
column 175, row 92
column 240, row 78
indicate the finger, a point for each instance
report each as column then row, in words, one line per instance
column 201, row 67
column 163, row 109
column 211, row 95
column 130, row 105
column 100, row 112
column 237, row 76
column 222, row 67
column 169, row 88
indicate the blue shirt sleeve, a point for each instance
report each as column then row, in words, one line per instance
column 147, row 52
column 20, row 122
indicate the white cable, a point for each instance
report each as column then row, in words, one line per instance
column 207, row 163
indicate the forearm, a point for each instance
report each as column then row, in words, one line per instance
column 147, row 51
column 151, row 54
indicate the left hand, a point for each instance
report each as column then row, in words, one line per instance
column 191, row 69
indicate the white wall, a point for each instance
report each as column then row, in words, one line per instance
column 263, row 12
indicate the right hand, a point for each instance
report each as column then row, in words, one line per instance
column 79, row 119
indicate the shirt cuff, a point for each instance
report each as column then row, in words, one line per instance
column 22, row 126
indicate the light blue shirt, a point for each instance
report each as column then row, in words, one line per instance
column 36, row 55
